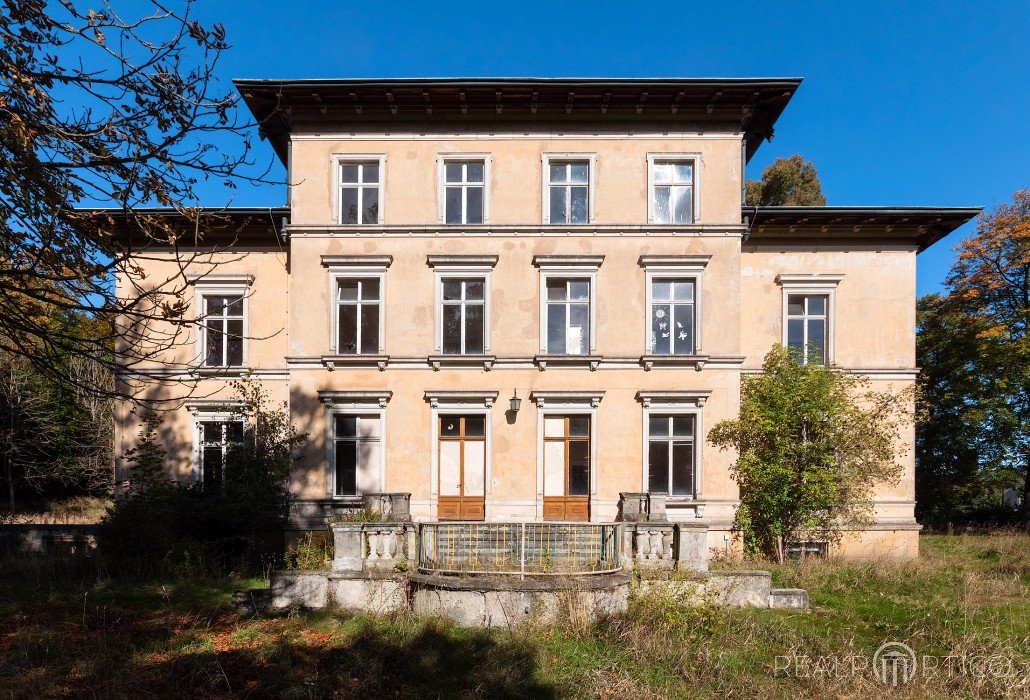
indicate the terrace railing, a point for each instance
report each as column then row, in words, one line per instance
column 539, row 549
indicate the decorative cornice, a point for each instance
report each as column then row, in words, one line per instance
column 673, row 260
column 586, row 261
column 591, row 361
column 807, row 279
column 543, row 398
column 370, row 261
column 462, row 397
column 220, row 279
column 698, row 362
column 692, row 397
column 331, row 362
column 484, row 361
column 333, row 397
column 461, row 260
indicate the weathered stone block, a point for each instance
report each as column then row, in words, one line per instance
column 788, row 598
column 305, row 589
column 349, row 553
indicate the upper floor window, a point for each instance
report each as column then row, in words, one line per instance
column 672, row 190
column 670, row 453
column 222, row 330
column 463, row 315
column 672, row 316
column 807, row 316
column 360, row 188
column 568, row 316
column 464, row 191
column 568, row 191
column 358, row 315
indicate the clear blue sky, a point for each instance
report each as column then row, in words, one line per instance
column 903, row 103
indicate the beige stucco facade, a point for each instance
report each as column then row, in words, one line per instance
column 289, row 286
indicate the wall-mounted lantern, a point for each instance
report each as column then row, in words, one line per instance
column 515, row 402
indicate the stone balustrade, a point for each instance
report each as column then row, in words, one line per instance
column 368, row 547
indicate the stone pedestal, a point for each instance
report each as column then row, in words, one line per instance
column 349, row 555
column 390, row 507
column 642, row 507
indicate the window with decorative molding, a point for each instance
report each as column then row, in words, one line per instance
column 358, row 312
column 215, row 438
column 357, row 450
column 463, row 315
column 568, row 191
column 360, row 191
column 672, row 316
column 464, row 191
column 222, row 330
column 568, row 316
column 807, row 317
column 672, row 191
column 670, row 453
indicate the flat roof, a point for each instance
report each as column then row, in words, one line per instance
column 748, row 105
column 924, row 226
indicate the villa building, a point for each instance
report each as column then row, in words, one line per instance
column 529, row 300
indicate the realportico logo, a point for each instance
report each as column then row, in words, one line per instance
column 894, row 663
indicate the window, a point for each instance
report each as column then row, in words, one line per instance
column 463, row 315
column 672, row 191
column 670, row 453
column 359, row 191
column 808, row 314
column 672, row 316
column 358, row 315
column 568, row 197
column 357, row 451
column 807, row 326
column 568, row 316
column 215, row 439
column 222, row 330
column 464, row 191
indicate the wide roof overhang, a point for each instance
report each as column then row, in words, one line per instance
column 919, row 226
column 749, row 106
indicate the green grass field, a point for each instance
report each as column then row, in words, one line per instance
column 66, row 633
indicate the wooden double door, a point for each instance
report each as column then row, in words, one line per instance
column 461, row 460
column 567, row 467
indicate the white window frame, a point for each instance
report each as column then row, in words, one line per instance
column 442, row 159
column 221, row 285
column 358, row 402
column 693, row 274
column 216, row 413
column 814, row 285
column 674, row 403
column 341, row 159
column 355, row 267
column 567, row 403
column 545, row 194
column 462, row 272
column 696, row 161
column 568, row 267
column 458, row 402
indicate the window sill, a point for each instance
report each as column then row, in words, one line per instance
column 438, row 361
column 698, row 362
column 331, row 362
column 591, row 361
column 222, row 371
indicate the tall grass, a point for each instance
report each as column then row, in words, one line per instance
column 84, row 633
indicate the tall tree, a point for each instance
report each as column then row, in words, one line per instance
column 789, row 181
column 960, row 466
column 991, row 283
column 812, row 444
column 98, row 109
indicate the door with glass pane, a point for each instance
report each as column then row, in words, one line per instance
column 566, row 467
column 461, row 459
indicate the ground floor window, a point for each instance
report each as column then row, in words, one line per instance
column 357, row 450
column 670, row 453
column 215, row 439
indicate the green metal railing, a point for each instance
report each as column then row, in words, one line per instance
column 519, row 548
